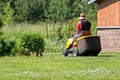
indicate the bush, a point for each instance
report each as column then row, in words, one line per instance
column 6, row 47
column 31, row 42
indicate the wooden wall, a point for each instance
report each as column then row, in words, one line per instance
column 109, row 13
column 109, row 25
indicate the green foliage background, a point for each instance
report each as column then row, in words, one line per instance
column 45, row 10
column 54, row 20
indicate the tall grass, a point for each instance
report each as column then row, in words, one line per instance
column 18, row 29
column 52, row 45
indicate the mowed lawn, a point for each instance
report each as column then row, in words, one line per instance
column 106, row 66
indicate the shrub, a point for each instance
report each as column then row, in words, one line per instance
column 31, row 42
column 6, row 47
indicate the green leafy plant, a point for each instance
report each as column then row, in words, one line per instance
column 6, row 47
column 6, row 14
column 32, row 42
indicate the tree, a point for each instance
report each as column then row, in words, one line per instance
column 46, row 10
column 6, row 12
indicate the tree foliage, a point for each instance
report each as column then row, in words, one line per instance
column 6, row 12
column 42, row 10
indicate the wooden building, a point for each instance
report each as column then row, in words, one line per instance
column 108, row 24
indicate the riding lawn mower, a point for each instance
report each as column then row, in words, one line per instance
column 83, row 46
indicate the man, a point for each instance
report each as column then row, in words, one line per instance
column 82, row 28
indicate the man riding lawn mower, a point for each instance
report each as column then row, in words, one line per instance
column 83, row 44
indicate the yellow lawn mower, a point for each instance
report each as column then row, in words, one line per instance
column 84, row 46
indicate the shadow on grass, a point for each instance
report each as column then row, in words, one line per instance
column 109, row 54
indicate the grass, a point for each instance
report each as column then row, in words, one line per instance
column 52, row 66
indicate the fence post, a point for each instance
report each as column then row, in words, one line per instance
column 69, row 27
column 46, row 30
column 54, row 28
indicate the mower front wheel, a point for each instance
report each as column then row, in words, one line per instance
column 65, row 53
